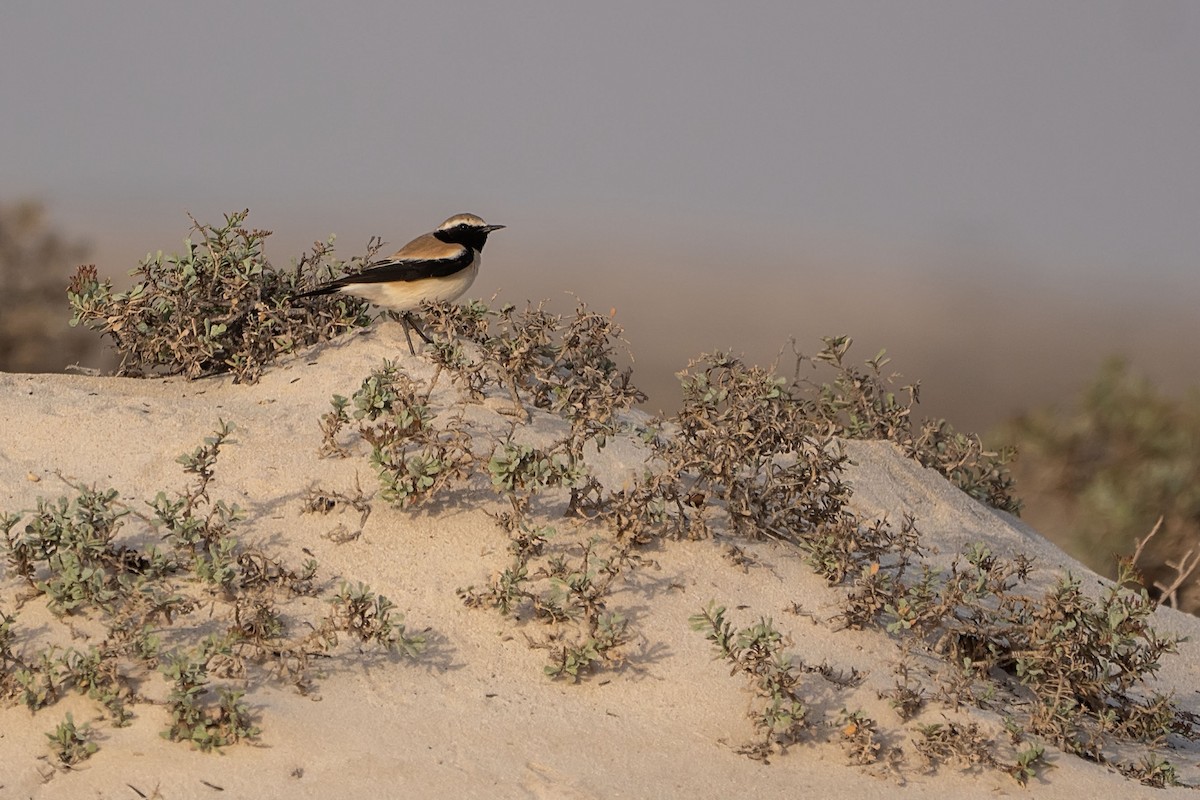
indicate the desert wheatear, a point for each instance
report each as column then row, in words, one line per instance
column 434, row 267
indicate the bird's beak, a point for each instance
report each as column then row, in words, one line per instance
column 490, row 228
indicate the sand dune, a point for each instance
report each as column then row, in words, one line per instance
column 474, row 716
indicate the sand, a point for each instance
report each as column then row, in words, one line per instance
column 474, row 716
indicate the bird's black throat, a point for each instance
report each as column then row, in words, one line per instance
column 470, row 237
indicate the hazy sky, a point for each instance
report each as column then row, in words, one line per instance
column 1062, row 132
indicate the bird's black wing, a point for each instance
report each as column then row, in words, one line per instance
column 411, row 269
column 401, row 269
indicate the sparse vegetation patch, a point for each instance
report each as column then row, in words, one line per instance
column 207, row 613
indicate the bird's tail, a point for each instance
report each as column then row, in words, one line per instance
column 328, row 288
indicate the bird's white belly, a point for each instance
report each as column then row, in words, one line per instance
column 407, row 295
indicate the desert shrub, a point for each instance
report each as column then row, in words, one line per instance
column 562, row 363
column 779, row 713
column 1087, row 665
column 71, row 744
column 217, row 307
column 860, row 403
column 743, row 439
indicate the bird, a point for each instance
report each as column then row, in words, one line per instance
column 434, row 267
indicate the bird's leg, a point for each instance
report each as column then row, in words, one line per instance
column 407, row 338
column 408, row 317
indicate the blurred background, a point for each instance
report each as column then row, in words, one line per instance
column 1003, row 195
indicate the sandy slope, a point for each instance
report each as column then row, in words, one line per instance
column 474, row 716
